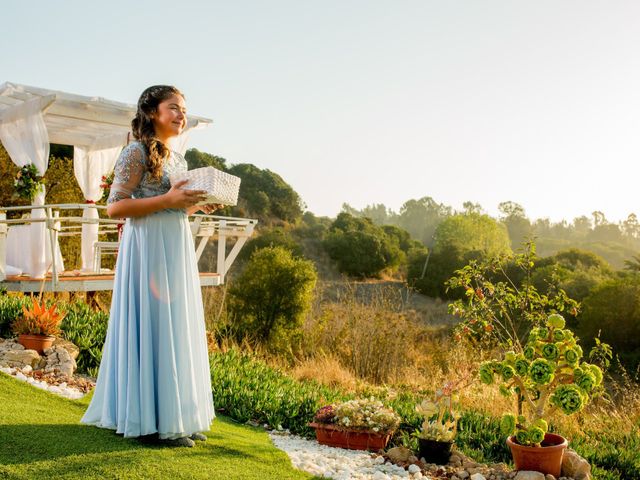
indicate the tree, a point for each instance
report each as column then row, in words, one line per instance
column 612, row 312
column 360, row 248
column 275, row 237
column 575, row 271
column 270, row 298
column 197, row 159
column 472, row 232
column 458, row 239
column 517, row 223
column 265, row 194
column 421, row 218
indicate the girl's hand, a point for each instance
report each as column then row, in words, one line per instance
column 179, row 198
column 210, row 208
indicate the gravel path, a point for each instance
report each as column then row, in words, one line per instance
column 339, row 463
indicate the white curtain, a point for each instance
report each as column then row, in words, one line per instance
column 89, row 166
column 179, row 143
column 26, row 140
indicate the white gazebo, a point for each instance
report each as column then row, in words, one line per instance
column 30, row 119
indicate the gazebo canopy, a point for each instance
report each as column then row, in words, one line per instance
column 91, row 122
column 31, row 118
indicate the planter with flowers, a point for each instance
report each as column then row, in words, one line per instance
column 438, row 431
column 547, row 376
column 38, row 325
column 363, row 424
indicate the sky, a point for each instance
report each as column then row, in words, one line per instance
column 372, row 101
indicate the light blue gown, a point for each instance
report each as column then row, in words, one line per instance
column 154, row 374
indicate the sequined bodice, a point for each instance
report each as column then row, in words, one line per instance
column 132, row 178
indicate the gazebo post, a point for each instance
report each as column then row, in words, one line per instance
column 3, row 245
column 222, row 249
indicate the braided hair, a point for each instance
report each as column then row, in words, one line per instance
column 143, row 129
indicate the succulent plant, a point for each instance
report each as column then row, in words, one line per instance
column 38, row 319
column 548, row 374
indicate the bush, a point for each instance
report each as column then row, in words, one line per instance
column 275, row 237
column 360, row 248
column 87, row 329
column 10, row 309
column 270, row 298
column 612, row 310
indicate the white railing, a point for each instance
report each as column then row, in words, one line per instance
column 203, row 228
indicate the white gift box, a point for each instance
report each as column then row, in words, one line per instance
column 221, row 187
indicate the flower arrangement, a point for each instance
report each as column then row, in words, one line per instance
column 361, row 414
column 27, row 182
column 107, row 181
column 546, row 376
column 441, row 416
column 38, row 319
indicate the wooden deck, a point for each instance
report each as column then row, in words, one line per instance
column 78, row 282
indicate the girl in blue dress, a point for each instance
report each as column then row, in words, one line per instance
column 154, row 379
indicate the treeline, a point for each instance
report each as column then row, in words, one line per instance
column 615, row 242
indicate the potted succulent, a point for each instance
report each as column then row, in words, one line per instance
column 438, row 431
column 38, row 325
column 362, row 424
column 546, row 376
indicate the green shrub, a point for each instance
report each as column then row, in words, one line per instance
column 10, row 309
column 613, row 311
column 275, row 237
column 87, row 329
column 249, row 390
column 360, row 248
column 270, row 298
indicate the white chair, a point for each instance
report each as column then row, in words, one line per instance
column 103, row 248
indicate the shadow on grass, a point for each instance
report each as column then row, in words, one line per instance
column 26, row 443
column 22, row 444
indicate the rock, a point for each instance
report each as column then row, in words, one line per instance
column 478, row 476
column 529, row 475
column 399, row 454
column 574, row 466
column 463, row 474
column 548, row 476
column 72, row 349
column 59, row 360
column 21, row 358
column 413, row 469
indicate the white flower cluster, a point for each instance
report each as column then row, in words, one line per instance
column 366, row 413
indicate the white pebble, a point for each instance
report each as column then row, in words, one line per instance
column 413, row 469
column 27, row 369
column 338, row 463
column 478, row 476
column 21, row 376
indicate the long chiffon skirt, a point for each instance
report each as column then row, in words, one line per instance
column 154, row 374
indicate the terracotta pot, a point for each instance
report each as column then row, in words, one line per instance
column 435, row 451
column 333, row 436
column 36, row 342
column 545, row 459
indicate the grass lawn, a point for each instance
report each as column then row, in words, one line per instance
column 41, row 437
